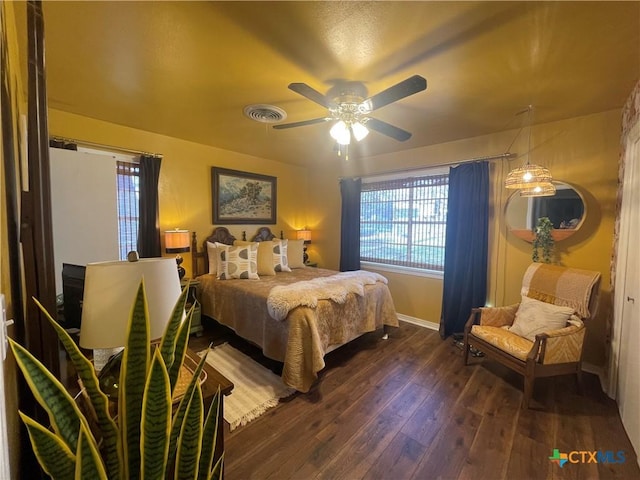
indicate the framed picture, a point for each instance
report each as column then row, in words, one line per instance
column 242, row 197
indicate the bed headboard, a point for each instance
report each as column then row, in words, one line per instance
column 264, row 235
column 199, row 257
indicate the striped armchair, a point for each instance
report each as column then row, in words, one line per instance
column 544, row 334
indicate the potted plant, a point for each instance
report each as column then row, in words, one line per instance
column 543, row 241
column 149, row 438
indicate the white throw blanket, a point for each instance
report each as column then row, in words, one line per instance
column 284, row 298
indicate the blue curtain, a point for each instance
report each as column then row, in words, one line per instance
column 465, row 259
column 149, row 222
column 350, row 224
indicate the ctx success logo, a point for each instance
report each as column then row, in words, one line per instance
column 584, row 456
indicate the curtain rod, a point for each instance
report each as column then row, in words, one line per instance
column 106, row 147
column 500, row 156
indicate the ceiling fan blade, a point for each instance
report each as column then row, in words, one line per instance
column 387, row 129
column 312, row 94
column 313, row 121
column 392, row 94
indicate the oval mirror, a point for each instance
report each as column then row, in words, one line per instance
column 566, row 210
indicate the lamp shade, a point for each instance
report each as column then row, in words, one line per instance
column 528, row 176
column 542, row 190
column 340, row 132
column 109, row 293
column 304, row 235
column 176, row 241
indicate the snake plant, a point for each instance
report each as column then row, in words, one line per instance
column 148, row 438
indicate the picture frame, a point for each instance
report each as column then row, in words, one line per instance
column 243, row 197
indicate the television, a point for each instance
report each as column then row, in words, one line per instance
column 72, row 293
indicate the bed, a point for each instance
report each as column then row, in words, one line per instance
column 290, row 315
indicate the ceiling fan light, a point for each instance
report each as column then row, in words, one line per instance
column 340, row 133
column 359, row 131
column 527, row 177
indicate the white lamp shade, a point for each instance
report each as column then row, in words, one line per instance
column 359, row 131
column 109, row 292
column 340, row 132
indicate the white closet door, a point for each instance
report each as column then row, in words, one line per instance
column 626, row 339
column 84, row 209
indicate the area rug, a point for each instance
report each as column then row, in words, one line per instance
column 256, row 388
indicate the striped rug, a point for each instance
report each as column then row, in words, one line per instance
column 256, row 388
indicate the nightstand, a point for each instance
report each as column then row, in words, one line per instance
column 196, row 322
column 311, row 264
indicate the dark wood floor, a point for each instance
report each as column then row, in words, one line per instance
column 407, row 408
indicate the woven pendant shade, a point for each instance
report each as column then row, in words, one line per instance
column 527, row 177
column 547, row 190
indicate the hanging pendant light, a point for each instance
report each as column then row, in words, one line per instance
column 542, row 190
column 529, row 176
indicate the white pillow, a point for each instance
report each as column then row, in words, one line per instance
column 534, row 317
column 265, row 256
column 279, row 251
column 295, row 253
column 212, row 255
column 238, row 262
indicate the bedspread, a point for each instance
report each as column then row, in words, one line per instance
column 307, row 334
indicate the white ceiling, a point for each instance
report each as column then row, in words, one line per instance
column 188, row 69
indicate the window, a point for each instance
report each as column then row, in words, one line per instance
column 403, row 221
column 128, row 182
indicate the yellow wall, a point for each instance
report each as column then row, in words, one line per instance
column 185, row 176
column 582, row 151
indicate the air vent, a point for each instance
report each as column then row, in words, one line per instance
column 265, row 113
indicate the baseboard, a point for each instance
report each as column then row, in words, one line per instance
column 419, row 322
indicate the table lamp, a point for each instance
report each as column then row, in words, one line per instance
column 177, row 241
column 109, row 293
column 306, row 236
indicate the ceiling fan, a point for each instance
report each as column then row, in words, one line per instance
column 349, row 107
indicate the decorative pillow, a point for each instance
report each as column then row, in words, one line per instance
column 212, row 255
column 238, row 262
column 295, row 253
column 265, row 256
column 280, row 263
column 534, row 316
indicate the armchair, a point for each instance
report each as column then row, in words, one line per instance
column 542, row 335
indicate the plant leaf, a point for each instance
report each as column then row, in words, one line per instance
column 133, row 372
column 216, row 473
column 156, row 420
column 190, row 440
column 53, row 454
column 99, row 401
column 89, row 463
column 178, row 416
column 180, row 348
column 209, row 438
column 167, row 345
column 64, row 414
